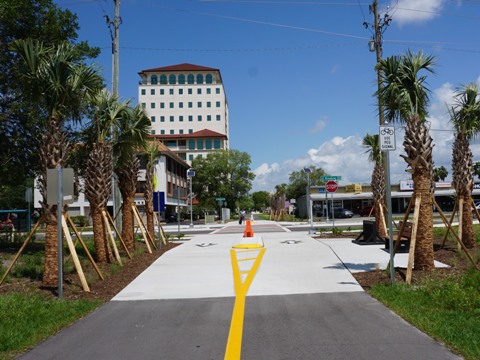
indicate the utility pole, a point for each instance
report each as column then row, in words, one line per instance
column 115, row 76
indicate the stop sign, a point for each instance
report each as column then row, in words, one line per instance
column 331, row 186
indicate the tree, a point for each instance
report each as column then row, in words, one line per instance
column 21, row 120
column 131, row 138
column 151, row 154
column 297, row 185
column 465, row 117
column 440, row 173
column 372, row 144
column 59, row 84
column 476, row 169
column 405, row 97
column 261, row 199
column 223, row 173
column 107, row 113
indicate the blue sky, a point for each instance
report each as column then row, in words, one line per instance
column 298, row 74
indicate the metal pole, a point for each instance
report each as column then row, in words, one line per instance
column 60, row 229
column 191, row 205
column 333, row 211
column 178, row 210
column 390, row 230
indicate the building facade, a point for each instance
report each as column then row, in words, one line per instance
column 188, row 108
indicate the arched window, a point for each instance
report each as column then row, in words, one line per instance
column 181, row 79
column 154, row 80
column 172, row 79
column 209, row 79
column 199, row 79
column 163, row 79
column 190, row 79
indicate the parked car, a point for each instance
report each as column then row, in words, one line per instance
column 342, row 213
column 366, row 211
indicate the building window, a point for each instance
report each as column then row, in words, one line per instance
column 181, row 79
column 162, row 118
column 200, row 144
column 209, row 91
column 180, row 91
column 171, row 105
column 209, row 104
column 172, row 132
column 170, row 91
column 152, row 119
column 209, row 117
column 171, row 143
column 199, row 91
column 162, row 92
column 190, row 79
column 190, row 118
column 209, row 78
column 218, row 117
column 199, row 79
column 143, row 105
column 172, row 79
column 152, row 105
column 199, row 104
column 144, row 92
column 190, row 104
column 190, row 131
column 190, row 157
column 191, row 144
column 216, row 143
column 199, row 117
column 180, row 118
column 208, row 144
column 180, row 131
column 180, row 105
column 217, row 90
column 190, row 91
column 183, row 156
column 162, row 132
column 162, row 105
column 154, row 80
column 163, row 79
column 172, row 118
column 217, row 104
column 200, row 156
column 152, row 132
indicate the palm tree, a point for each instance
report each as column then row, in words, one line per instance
column 465, row 117
column 59, row 83
column 371, row 142
column 131, row 134
column 107, row 113
column 405, row 98
column 152, row 153
column 440, row 173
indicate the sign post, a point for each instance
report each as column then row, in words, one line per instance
column 332, row 187
column 190, row 175
column 387, row 143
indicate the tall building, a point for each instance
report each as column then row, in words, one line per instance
column 187, row 107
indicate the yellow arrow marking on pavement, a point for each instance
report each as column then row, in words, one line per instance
column 234, row 344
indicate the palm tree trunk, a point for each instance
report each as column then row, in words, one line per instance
column 424, row 255
column 150, row 222
column 102, row 248
column 468, row 235
column 50, row 273
column 127, row 222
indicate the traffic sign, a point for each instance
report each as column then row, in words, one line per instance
column 328, row 178
column 219, row 199
column 387, row 138
column 331, row 186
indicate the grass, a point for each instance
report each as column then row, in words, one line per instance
column 27, row 320
column 446, row 309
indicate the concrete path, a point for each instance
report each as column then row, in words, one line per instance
column 303, row 303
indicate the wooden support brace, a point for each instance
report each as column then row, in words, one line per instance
column 112, row 239
column 149, row 237
column 142, row 230
column 449, row 222
column 75, row 258
column 118, row 234
column 411, row 253
column 160, row 229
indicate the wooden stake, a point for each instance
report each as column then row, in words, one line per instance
column 118, row 234
column 449, row 222
column 160, row 229
column 460, row 221
column 112, row 239
column 416, row 214
column 141, row 229
column 21, row 250
column 384, row 224
column 76, row 261
column 152, row 241
column 475, row 208
column 69, row 219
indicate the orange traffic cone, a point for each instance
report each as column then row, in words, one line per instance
column 248, row 229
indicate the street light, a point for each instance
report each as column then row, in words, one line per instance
column 190, row 175
column 309, row 205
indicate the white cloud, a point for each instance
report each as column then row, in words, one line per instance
column 345, row 156
column 319, row 126
column 415, row 11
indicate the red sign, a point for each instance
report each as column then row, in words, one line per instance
column 331, row 186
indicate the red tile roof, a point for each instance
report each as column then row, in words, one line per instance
column 205, row 133
column 179, row 67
